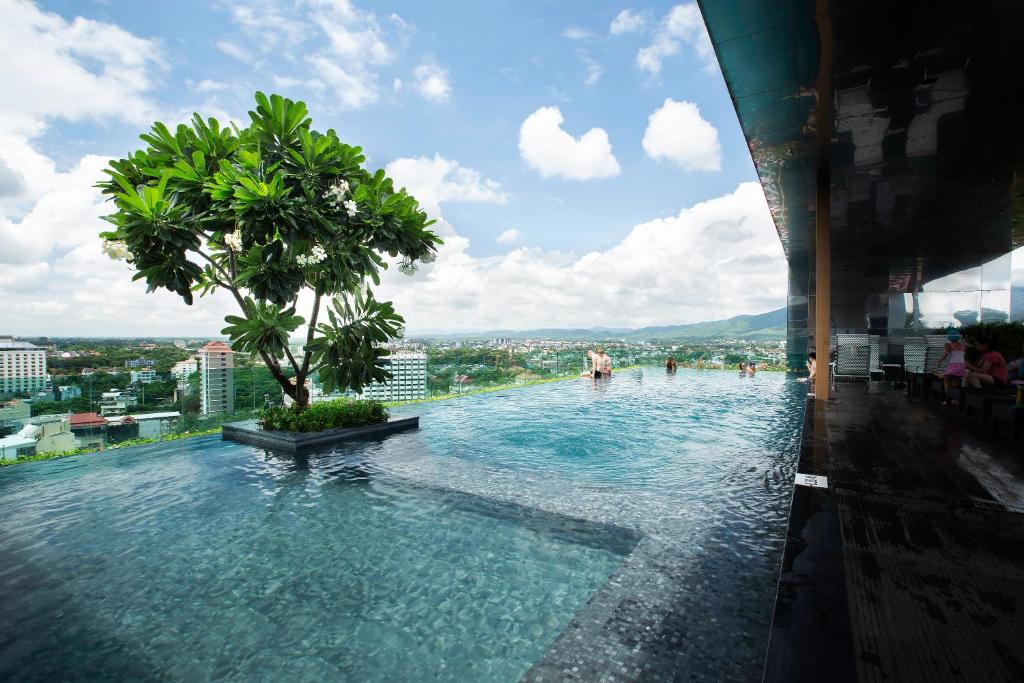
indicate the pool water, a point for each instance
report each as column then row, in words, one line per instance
column 645, row 429
column 212, row 562
column 458, row 552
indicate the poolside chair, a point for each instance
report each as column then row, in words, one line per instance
column 853, row 355
column 935, row 345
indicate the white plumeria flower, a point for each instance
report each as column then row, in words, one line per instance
column 316, row 255
column 351, row 208
column 115, row 249
column 233, row 241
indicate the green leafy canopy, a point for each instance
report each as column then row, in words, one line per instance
column 266, row 212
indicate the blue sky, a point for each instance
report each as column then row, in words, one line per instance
column 458, row 100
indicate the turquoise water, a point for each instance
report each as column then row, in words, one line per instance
column 424, row 556
column 208, row 561
column 644, row 429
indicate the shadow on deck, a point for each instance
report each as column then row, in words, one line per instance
column 910, row 565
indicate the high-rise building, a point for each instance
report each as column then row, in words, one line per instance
column 22, row 367
column 216, row 378
column 408, row 379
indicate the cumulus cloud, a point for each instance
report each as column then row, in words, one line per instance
column 715, row 259
column 80, row 69
column 51, row 259
column 432, row 82
column 682, row 24
column 627, row 21
column 508, row 237
column 433, row 180
column 677, row 132
column 549, row 149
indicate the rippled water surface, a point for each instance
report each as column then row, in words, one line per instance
column 424, row 556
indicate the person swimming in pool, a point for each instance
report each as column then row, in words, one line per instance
column 601, row 365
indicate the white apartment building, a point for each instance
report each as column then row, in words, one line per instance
column 408, row 381
column 22, row 366
column 216, row 378
column 184, row 369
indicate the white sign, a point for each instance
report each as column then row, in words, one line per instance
column 814, row 480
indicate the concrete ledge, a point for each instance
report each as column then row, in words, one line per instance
column 250, row 434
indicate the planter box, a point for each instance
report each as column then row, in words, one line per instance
column 250, row 434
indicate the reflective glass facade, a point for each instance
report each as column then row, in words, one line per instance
column 926, row 160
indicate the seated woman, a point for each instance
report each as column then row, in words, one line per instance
column 990, row 370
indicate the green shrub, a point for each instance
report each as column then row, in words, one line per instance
column 341, row 412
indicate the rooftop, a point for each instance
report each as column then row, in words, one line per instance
column 8, row 343
column 216, row 347
column 87, row 420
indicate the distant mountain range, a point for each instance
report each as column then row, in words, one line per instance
column 771, row 325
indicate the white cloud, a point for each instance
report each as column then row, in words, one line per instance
column 343, row 46
column 234, row 50
column 577, row 33
column 594, row 71
column 354, row 90
column 268, row 25
column 82, row 69
column 555, row 153
column 51, row 258
column 433, row 180
column 723, row 253
column 627, row 21
column 508, row 237
column 432, row 82
column 396, row 85
column 676, row 132
column 206, row 85
column 682, row 24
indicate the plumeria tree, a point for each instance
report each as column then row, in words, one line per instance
column 265, row 213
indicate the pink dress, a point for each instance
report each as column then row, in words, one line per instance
column 956, row 366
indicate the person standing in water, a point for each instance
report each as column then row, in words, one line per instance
column 670, row 364
column 601, row 364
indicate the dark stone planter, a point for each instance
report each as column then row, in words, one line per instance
column 250, row 434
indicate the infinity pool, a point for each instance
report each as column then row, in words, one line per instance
column 631, row 527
